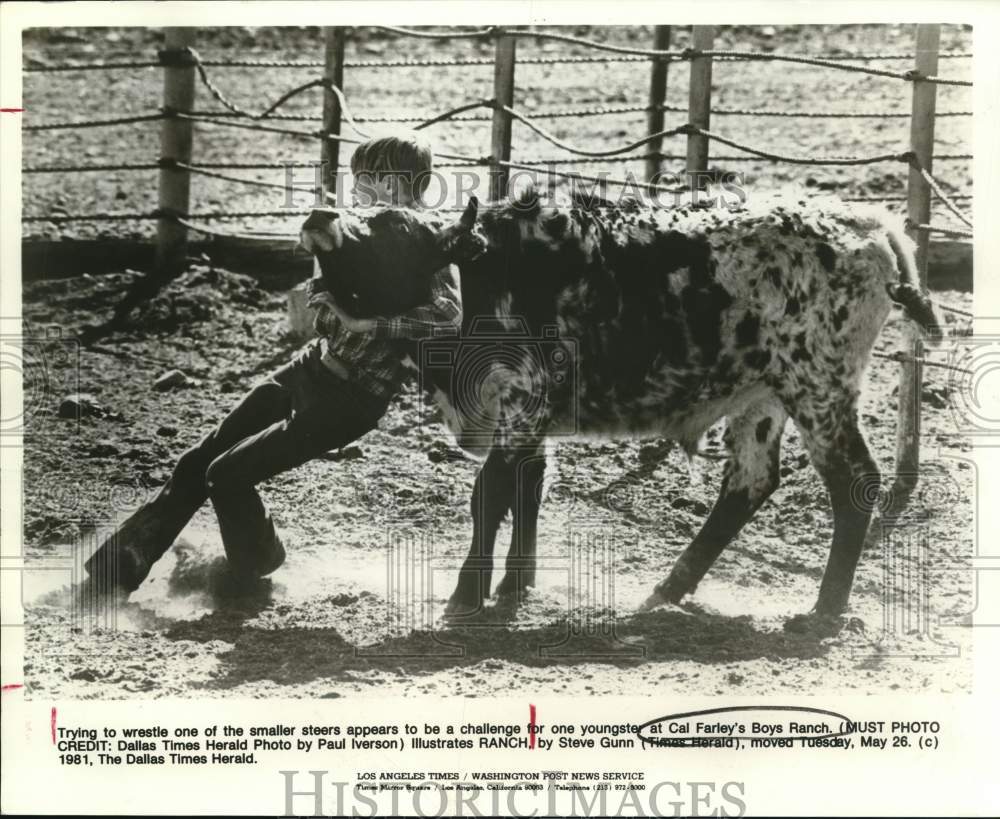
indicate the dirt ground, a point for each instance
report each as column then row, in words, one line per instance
column 347, row 614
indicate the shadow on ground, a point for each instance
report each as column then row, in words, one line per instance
column 658, row 636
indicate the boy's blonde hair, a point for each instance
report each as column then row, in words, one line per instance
column 404, row 156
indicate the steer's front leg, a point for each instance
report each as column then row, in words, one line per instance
column 529, row 473
column 491, row 498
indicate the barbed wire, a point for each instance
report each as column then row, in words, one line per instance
column 126, row 64
column 201, row 171
column 257, row 126
column 905, row 358
column 940, row 193
column 323, row 82
column 649, row 53
column 956, row 310
column 838, row 64
column 648, row 186
column 767, row 56
column 227, row 234
column 476, row 34
column 614, row 110
column 801, row 160
column 472, row 162
column 432, row 62
column 61, row 218
column 427, row 62
column 163, row 214
column 900, row 198
column 460, row 109
column 227, row 114
column 575, row 160
column 125, row 166
column 953, row 233
column 688, row 129
column 94, row 123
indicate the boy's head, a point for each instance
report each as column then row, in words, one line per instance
column 394, row 169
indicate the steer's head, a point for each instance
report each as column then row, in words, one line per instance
column 378, row 261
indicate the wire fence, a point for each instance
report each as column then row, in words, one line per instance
column 234, row 116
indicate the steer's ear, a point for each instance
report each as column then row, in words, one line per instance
column 458, row 241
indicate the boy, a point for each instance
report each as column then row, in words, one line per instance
column 334, row 390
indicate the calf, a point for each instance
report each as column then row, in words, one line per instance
column 644, row 322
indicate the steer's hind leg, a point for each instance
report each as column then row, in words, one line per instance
column 839, row 452
column 751, row 474
column 529, row 473
column 492, row 496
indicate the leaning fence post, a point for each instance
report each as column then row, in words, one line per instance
column 700, row 100
column 503, row 94
column 918, row 209
column 335, row 38
column 657, row 97
column 175, row 146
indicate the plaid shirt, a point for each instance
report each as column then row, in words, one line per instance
column 374, row 359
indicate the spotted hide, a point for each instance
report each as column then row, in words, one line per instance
column 629, row 321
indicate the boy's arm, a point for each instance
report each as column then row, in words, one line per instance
column 443, row 312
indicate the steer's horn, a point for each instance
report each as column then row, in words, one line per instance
column 458, row 239
column 468, row 218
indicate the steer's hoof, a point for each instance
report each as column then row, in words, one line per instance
column 462, row 608
column 654, row 600
column 514, row 587
column 815, row 625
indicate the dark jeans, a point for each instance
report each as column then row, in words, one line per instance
column 298, row 413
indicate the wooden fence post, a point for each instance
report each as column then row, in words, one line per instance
column 175, row 144
column 300, row 316
column 503, row 93
column 918, row 209
column 335, row 38
column 700, row 99
column 657, row 97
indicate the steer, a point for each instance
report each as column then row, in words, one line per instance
column 636, row 321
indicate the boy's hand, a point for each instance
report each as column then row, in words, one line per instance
column 351, row 323
column 314, row 286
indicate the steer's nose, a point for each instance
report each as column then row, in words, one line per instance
column 318, row 219
column 322, row 231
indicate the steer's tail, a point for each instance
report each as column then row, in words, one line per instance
column 915, row 303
